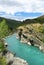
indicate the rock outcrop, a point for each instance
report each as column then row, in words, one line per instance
column 12, row 60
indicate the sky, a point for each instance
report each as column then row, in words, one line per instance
column 21, row 9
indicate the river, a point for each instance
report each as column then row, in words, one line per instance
column 29, row 53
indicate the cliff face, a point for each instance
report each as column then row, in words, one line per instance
column 34, row 29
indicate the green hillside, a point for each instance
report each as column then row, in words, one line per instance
column 11, row 23
column 8, row 26
column 36, row 20
column 37, row 23
column 39, row 19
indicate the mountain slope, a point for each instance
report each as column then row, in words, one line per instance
column 11, row 23
column 10, row 26
column 39, row 19
column 36, row 20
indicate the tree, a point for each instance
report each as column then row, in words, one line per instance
column 3, row 29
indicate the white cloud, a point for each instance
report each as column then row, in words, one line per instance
column 12, row 6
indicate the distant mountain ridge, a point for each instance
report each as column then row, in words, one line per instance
column 15, row 23
column 40, row 19
column 36, row 20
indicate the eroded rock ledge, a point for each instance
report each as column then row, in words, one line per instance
column 12, row 60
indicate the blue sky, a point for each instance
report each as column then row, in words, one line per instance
column 21, row 9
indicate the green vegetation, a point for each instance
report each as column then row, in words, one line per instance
column 1, row 45
column 2, row 60
column 2, row 48
column 3, row 29
column 8, row 26
column 41, row 29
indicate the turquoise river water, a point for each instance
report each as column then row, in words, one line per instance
column 29, row 53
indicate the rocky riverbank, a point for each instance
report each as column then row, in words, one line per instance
column 13, row 60
column 36, row 41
